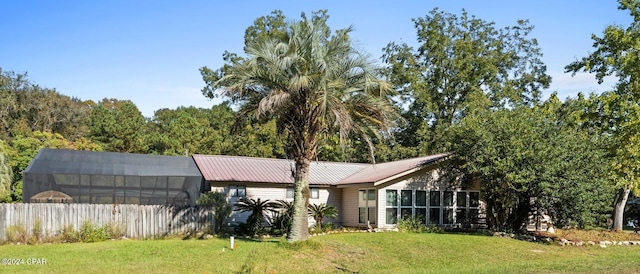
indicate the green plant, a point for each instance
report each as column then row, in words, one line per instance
column 321, row 211
column 17, row 233
column 412, row 224
column 282, row 218
column 114, row 230
column 36, row 232
column 68, row 234
column 90, row 233
column 258, row 209
column 217, row 201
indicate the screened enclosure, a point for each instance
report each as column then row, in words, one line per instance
column 114, row 178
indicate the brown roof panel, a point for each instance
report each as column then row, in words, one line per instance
column 384, row 171
column 221, row 168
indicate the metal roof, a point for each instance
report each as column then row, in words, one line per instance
column 219, row 168
column 379, row 173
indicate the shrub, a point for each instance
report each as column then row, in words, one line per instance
column 90, row 233
column 412, row 224
column 17, row 234
column 114, row 231
column 68, row 234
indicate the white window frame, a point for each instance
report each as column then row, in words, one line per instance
column 234, row 191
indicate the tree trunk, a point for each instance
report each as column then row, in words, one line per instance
column 618, row 211
column 300, row 221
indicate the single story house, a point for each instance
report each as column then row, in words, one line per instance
column 366, row 195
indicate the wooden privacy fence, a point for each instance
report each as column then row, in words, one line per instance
column 136, row 221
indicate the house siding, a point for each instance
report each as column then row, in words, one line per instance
column 349, row 208
column 328, row 195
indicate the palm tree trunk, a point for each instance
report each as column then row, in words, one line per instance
column 618, row 211
column 300, row 222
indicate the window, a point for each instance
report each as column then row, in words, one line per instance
column 367, row 206
column 405, row 198
column 391, row 216
column 289, row 192
column 434, row 198
column 392, row 198
column 237, row 191
column 432, row 207
column 315, row 193
column 421, row 198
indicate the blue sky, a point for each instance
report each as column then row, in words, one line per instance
column 150, row 51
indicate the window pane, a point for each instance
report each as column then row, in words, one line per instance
column 290, row 192
column 392, row 198
column 448, row 198
column 242, row 191
column 461, row 216
column 392, row 215
column 474, row 199
column 405, row 213
column 405, row 198
column 315, row 193
column 461, row 199
column 371, row 196
column 421, row 198
column 362, row 195
column 448, row 216
column 434, row 198
column 434, row 216
column 362, row 215
column 372, row 215
column 233, row 191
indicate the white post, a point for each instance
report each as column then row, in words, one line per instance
column 231, row 242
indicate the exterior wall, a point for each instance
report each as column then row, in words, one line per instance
column 347, row 199
column 328, row 195
column 349, row 208
column 426, row 180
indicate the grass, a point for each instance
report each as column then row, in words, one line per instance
column 332, row 253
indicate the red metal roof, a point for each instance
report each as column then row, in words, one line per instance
column 220, row 168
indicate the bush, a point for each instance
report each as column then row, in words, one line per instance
column 68, row 234
column 89, row 233
column 17, row 234
column 114, row 231
column 416, row 225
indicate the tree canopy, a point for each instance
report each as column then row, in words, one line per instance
column 532, row 160
column 617, row 113
column 311, row 81
column 462, row 64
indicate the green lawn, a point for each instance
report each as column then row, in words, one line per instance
column 334, row 253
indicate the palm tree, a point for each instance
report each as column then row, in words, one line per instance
column 216, row 201
column 321, row 211
column 282, row 221
column 313, row 83
column 259, row 210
